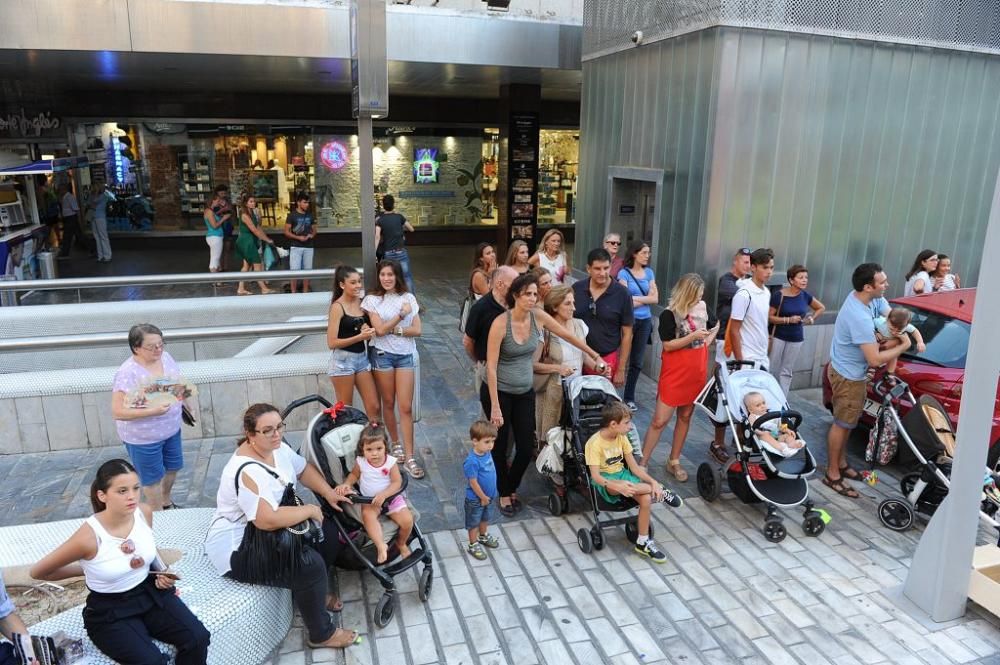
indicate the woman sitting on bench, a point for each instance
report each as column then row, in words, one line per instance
column 130, row 603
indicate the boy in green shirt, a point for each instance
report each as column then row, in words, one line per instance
column 615, row 473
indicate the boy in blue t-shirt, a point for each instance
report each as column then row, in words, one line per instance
column 481, row 493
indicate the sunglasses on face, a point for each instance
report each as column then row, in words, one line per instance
column 613, row 242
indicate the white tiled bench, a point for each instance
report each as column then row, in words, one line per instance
column 246, row 622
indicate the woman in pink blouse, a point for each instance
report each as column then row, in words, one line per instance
column 150, row 430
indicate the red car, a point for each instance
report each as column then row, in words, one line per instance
column 945, row 320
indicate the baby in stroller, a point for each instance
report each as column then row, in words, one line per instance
column 777, row 435
column 379, row 477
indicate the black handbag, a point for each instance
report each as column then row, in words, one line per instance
column 264, row 556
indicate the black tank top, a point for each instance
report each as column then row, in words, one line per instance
column 351, row 326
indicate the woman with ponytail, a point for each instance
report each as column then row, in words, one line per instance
column 251, row 489
column 129, row 604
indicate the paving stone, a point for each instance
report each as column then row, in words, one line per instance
column 539, row 624
column 481, row 633
column 609, row 639
column 618, row 609
column 493, row 658
column 390, row 649
column 521, row 647
column 447, row 627
column 420, row 645
column 469, row 601
column 642, row 642
column 746, row 623
column 458, row 654
column 773, row 652
column 584, row 603
column 563, row 571
column 554, row 651
column 549, row 592
column 522, row 592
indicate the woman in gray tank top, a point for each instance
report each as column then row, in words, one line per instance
column 508, row 396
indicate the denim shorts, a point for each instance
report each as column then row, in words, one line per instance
column 347, row 363
column 153, row 460
column 386, row 361
column 476, row 513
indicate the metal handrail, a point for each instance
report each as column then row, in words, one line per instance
column 281, row 329
column 180, row 278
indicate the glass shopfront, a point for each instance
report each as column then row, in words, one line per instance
column 440, row 177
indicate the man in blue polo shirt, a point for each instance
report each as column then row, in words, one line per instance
column 606, row 307
column 852, row 351
column 10, row 623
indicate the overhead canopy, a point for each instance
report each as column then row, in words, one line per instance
column 45, row 166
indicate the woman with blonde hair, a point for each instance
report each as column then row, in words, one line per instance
column 552, row 256
column 687, row 330
column 517, row 257
column 558, row 360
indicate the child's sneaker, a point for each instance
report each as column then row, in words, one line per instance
column 489, row 540
column 671, row 498
column 652, row 551
column 476, row 551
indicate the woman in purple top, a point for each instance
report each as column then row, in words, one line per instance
column 150, row 431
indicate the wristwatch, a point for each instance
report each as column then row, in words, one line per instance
column 399, row 330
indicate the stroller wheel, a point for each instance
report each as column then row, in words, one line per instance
column 813, row 524
column 598, row 537
column 632, row 530
column 555, row 505
column 709, row 481
column 774, row 530
column 384, row 610
column 584, row 541
column 426, row 582
column 896, row 514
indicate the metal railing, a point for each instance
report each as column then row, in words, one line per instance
column 10, row 288
column 281, row 329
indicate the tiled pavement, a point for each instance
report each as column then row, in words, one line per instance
column 725, row 595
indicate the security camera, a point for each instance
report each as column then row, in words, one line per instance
column 637, row 37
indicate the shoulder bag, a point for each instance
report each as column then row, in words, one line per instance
column 727, row 342
column 777, row 312
column 264, row 556
column 467, row 303
column 541, row 380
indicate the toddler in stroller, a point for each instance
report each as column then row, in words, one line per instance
column 378, row 476
column 778, row 436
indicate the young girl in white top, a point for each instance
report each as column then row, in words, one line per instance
column 943, row 278
column 129, row 604
column 379, row 478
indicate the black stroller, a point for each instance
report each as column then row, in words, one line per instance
column 583, row 399
column 930, row 448
column 759, row 473
column 329, row 442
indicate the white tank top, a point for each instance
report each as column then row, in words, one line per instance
column 374, row 479
column 110, row 571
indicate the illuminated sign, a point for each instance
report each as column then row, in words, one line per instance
column 334, row 155
column 425, row 165
column 118, row 160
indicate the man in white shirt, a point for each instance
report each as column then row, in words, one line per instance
column 70, row 212
column 748, row 319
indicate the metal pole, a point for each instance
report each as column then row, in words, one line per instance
column 938, row 580
column 367, row 207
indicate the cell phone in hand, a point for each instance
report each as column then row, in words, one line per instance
column 169, row 574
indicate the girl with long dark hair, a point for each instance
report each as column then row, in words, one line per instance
column 484, row 263
column 918, row 279
column 394, row 313
column 348, row 333
column 129, row 605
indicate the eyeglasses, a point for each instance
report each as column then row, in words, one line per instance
column 153, row 347
column 128, row 547
column 268, row 431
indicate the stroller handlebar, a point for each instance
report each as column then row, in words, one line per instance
column 793, row 418
column 302, row 401
column 891, row 391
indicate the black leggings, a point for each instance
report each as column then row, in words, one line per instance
column 518, row 419
column 309, row 586
column 123, row 626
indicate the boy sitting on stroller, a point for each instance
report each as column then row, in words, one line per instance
column 888, row 330
column 607, row 453
column 779, row 436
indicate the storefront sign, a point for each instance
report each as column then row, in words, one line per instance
column 426, row 194
column 334, row 155
column 522, row 160
column 21, row 124
column 165, row 127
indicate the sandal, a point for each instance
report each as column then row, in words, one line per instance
column 515, row 503
column 674, row 468
column 849, row 473
column 398, row 452
column 340, row 639
column 719, row 453
column 506, row 511
column 839, row 487
column 412, row 468
column 244, row 293
column 333, row 603
column 171, row 506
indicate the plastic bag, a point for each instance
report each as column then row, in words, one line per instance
column 549, row 458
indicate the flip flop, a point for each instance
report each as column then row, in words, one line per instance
column 336, row 605
column 839, row 487
column 339, row 640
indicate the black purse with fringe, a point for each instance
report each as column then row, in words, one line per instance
column 264, row 556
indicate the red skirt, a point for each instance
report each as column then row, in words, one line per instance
column 682, row 375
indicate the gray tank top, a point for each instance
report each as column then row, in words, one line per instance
column 514, row 369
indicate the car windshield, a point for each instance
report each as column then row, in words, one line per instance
column 947, row 339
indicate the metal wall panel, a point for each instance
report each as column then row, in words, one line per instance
column 831, row 151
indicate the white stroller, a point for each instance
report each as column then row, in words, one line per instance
column 759, row 472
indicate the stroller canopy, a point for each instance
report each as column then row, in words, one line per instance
column 590, row 382
column 744, row 381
